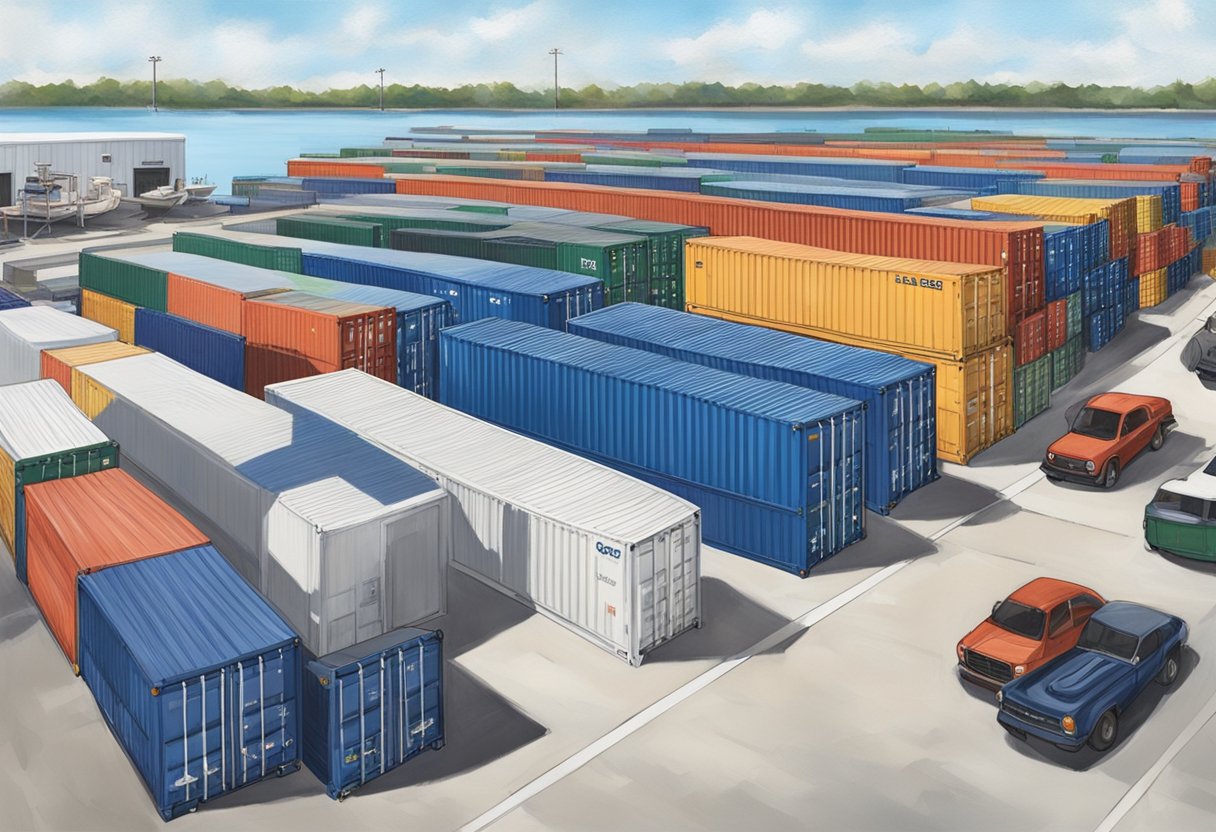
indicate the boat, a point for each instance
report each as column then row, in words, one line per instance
column 200, row 189
column 166, row 196
column 51, row 197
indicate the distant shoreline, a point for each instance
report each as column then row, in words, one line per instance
column 766, row 109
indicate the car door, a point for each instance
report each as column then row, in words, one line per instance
column 1135, row 434
column 1149, row 657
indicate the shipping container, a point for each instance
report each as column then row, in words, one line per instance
column 11, row 300
column 57, row 364
column 213, row 292
column 26, row 331
column 215, row 353
column 610, row 557
column 329, row 229
column 967, row 178
column 125, row 274
column 419, row 319
column 1030, row 338
column 344, row 185
column 283, row 259
column 939, row 309
column 854, row 199
column 1171, row 200
column 200, row 688
column 784, row 485
column 1031, row 389
column 1120, row 214
column 843, row 168
column 77, row 525
column 295, row 334
column 1016, row 247
column 116, row 314
column 1148, row 213
column 1067, row 361
column 1057, row 324
column 901, row 440
column 43, row 436
column 372, row 707
column 345, row 540
column 304, row 167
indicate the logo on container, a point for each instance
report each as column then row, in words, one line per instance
column 584, row 263
column 605, row 549
column 923, row 282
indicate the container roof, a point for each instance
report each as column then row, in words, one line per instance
column 58, row 138
column 46, row 327
column 205, row 616
column 235, row 276
column 59, row 425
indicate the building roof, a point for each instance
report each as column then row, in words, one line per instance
column 61, row 138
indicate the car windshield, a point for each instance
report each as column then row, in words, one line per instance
column 1169, row 501
column 1019, row 618
column 1211, row 469
column 1100, row 424
column 1102, row 639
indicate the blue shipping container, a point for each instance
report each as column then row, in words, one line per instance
column 371, row 707
column 967, row 178
column 843, row 168
column 331, row 186
column 196, row 675
column 776, row 469
column 900, row 395
column 215, row 353
column 854, row 199
column 11, row 300
column 475, row 288
column 656, row 182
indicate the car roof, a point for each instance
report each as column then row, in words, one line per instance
column 1043, row 593
column 1122, row 402
column 1133, row 619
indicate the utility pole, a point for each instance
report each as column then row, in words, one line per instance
column 154, row 60
column 381, row 71
column 557, row 94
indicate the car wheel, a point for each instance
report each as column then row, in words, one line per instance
column 1111, row 477
column 1169, row 670
column 1158, row 439
column 1105, row 732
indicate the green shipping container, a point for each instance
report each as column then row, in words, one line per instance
column 329, row 230
column 403, row 167
column 130, row 282
column 263, row 257
column 320, row 156
column 634, row 161
column 666, row 256
column 390, row 223
column 481, row 209
column 1073, row 319
column 357, row 152
column 1067, row 361
column 1031, row 390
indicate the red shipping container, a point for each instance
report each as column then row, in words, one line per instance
column 1084, row 170
column 294, row 335
column 207, row 303
column 1190, row 195
column 81, row 524
column 1057, row 323
column 1018, row 246
column 1030, row 338
column 308, row 167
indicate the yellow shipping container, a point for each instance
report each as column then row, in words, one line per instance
column 943, row 310
column 8, row 503
column 1119, row 213
column 112, row 312
column 89, row 395
column 1154, row 288
column 512, row 155
column 1209, row 262
column 1148, row 213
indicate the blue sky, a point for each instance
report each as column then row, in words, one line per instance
column 321, row 43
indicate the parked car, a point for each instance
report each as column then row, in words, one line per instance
column 1036, row 623
column 1107, row 433
column 1079, row 697
column 1199, row 353
column 1181, row 519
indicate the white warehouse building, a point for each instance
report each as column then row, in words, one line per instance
column 136, row 162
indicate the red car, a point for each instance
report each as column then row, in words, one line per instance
column 1108, row 432
column 1038, row 622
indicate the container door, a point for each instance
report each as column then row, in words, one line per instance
column 262, row 723
column 195, row 724
column 417, row 708
column 363, row 716
column 414, row 566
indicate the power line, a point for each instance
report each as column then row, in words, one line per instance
column 557, row 91
column 154, row 60
column 381, row 71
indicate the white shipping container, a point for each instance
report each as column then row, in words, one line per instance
column 26, row 332
column 347, row 541
column 612, row 558
column 38, row 419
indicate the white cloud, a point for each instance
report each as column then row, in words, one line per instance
column 765, row 29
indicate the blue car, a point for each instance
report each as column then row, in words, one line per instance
column 1078, row 697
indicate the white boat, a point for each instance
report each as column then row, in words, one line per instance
column 51, row 197
column 200, row 189
column 166, row 196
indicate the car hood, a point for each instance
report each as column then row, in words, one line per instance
column 1063, row 683
column 1076, row 446
column 999, row 643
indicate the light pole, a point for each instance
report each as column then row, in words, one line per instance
column 557, row 93
column 154, row 60
column 381, row 71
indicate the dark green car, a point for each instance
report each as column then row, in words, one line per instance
column 1181, row 519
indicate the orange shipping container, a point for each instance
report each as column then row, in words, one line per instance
column 1015, row 245
column 58, row 364
column 1083, row 170
column 208, row 303
column 948, row 310
column 306, row 167
column 81, row 524
column 294, row 335
column 112, row 312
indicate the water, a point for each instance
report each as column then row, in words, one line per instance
column 226, row 143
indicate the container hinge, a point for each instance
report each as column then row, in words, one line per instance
column 422, row 727
column 185, row 780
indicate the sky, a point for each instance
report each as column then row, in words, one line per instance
column 319, row 44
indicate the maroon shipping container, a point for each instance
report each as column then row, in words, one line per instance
column 1158, row 249
column 1030, row 338
column 295, row 334
column 1057, row 323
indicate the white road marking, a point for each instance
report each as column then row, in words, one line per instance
column 1141, row 786
column 648, row 715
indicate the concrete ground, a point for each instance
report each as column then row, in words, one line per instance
column 826, row 703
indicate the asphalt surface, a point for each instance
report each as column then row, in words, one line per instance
column 827, row 703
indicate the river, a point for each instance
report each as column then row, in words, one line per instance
column 221, row 144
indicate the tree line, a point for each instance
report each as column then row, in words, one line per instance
column 183, row 94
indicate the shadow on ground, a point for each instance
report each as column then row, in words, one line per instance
column 886, row 542
column 947, row 498
column 732, row 623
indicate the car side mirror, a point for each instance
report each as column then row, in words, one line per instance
column 1135, row 660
